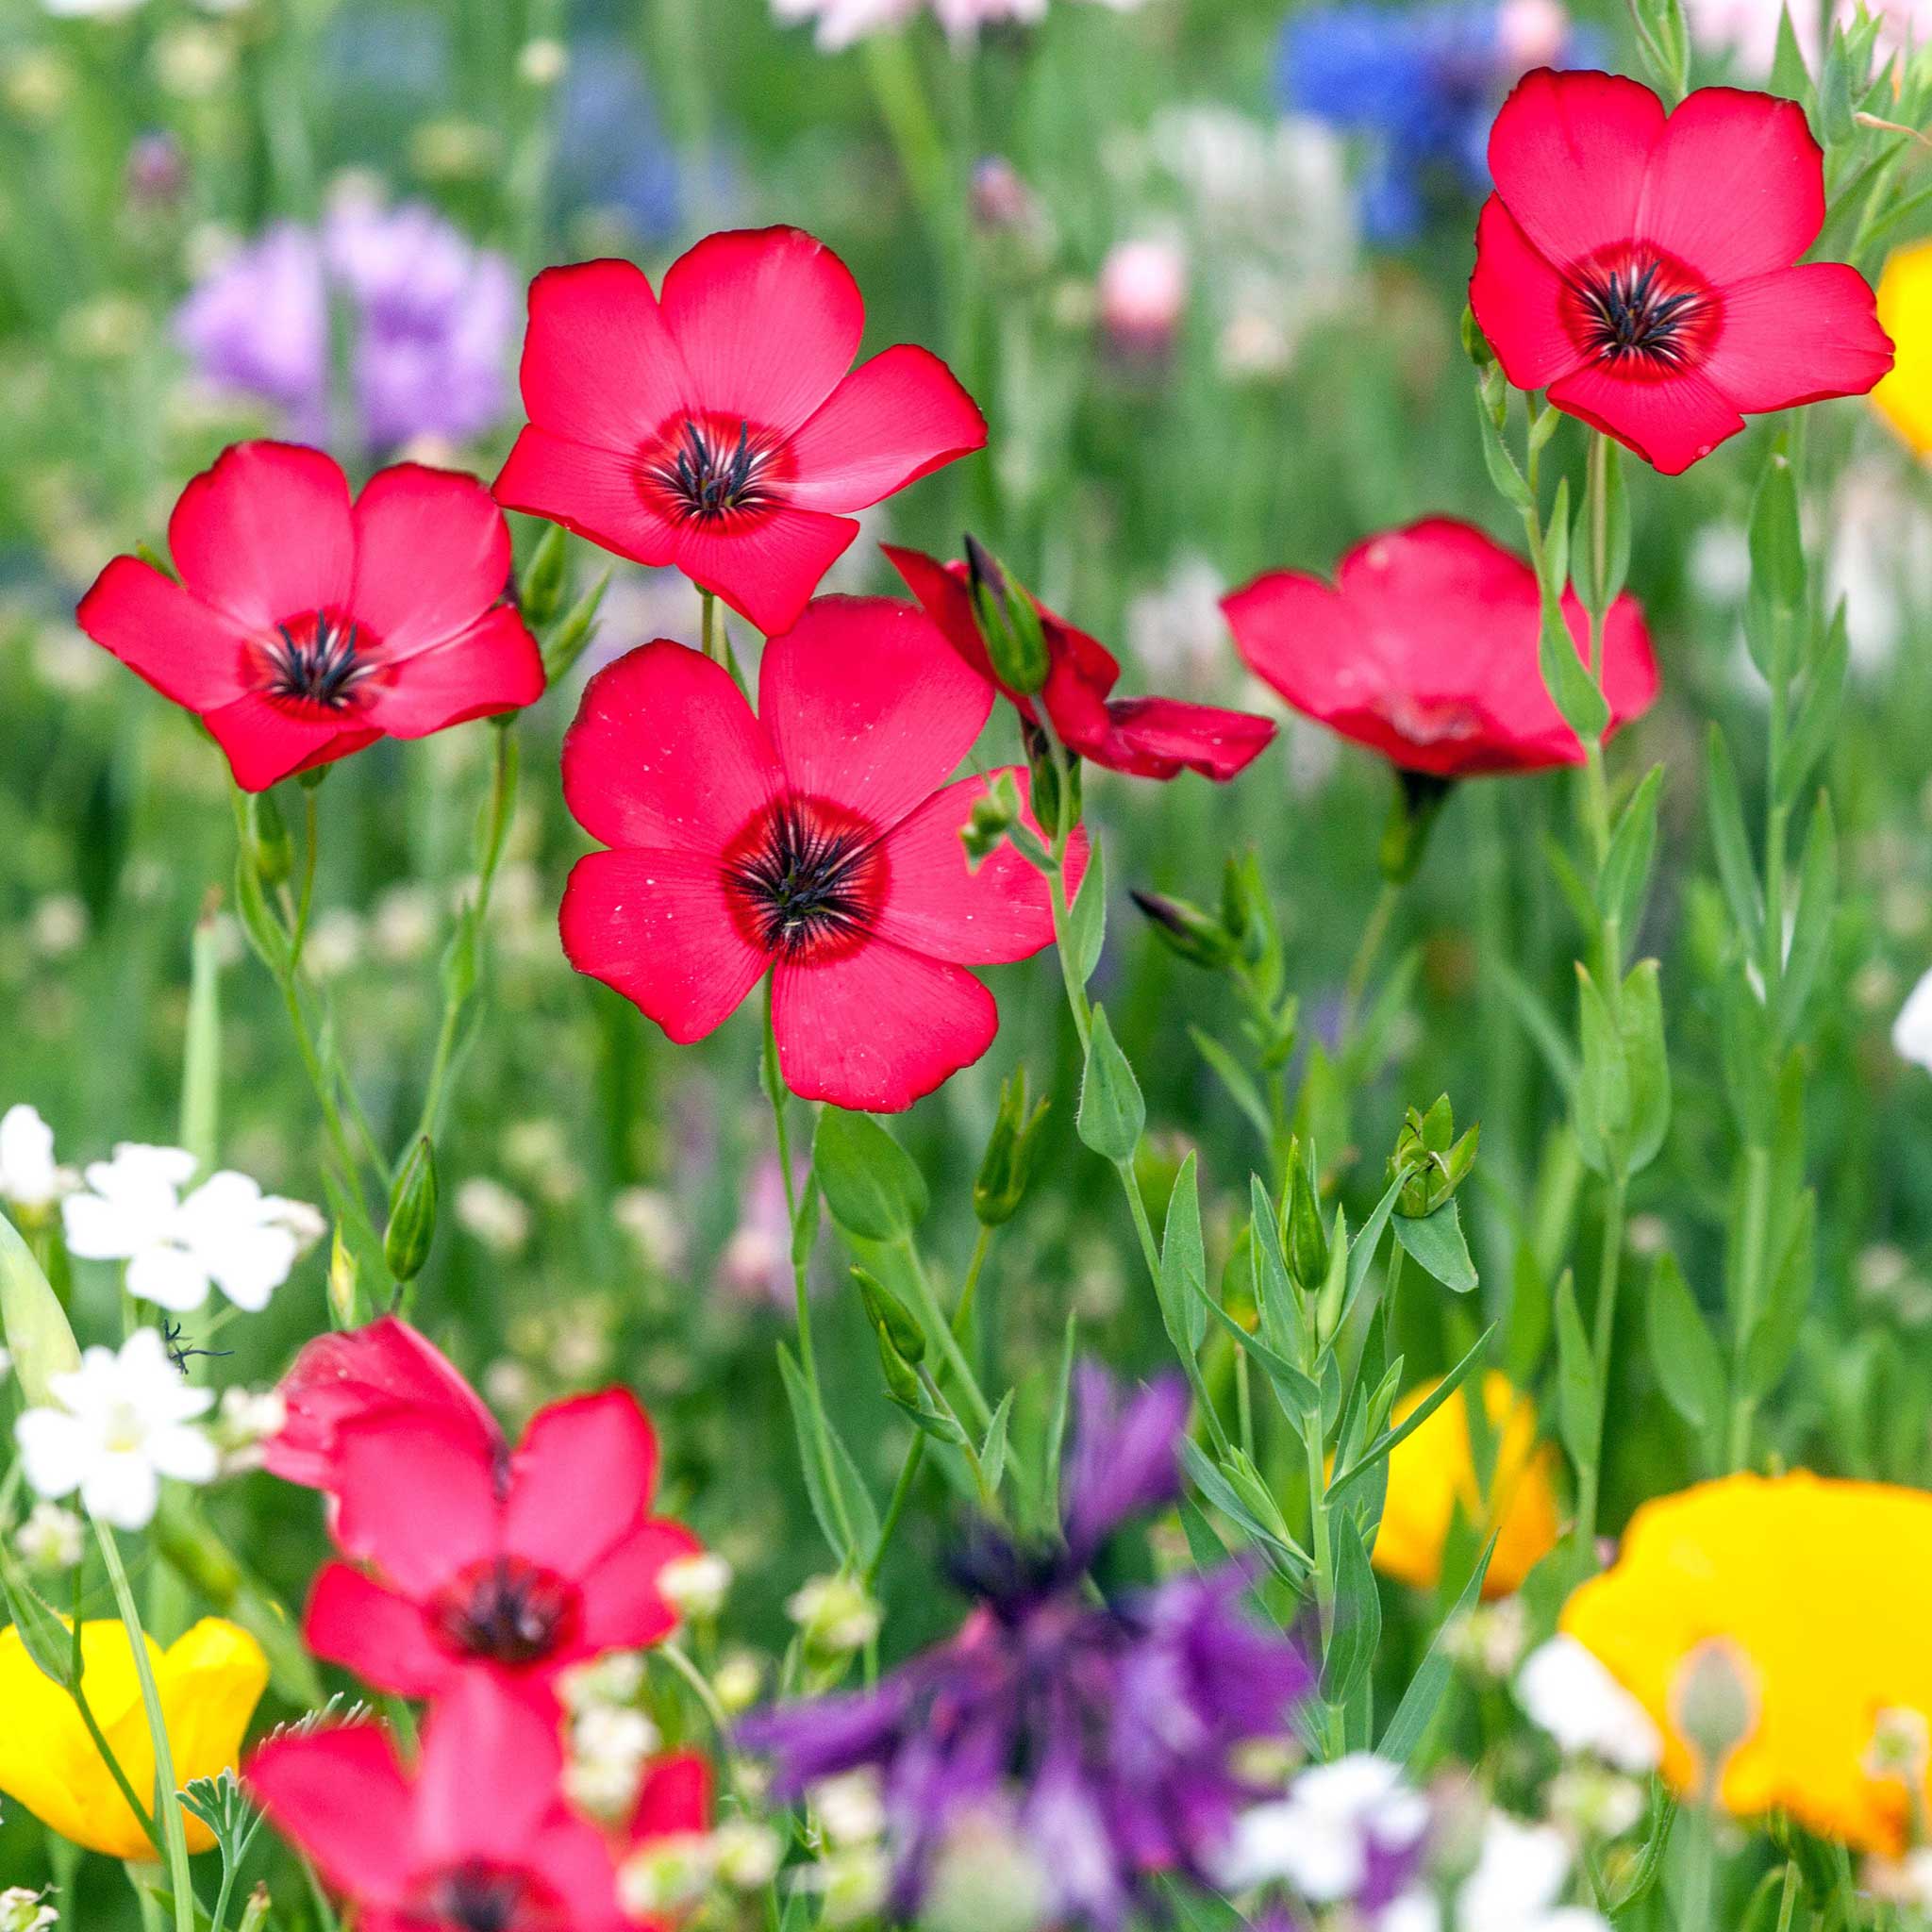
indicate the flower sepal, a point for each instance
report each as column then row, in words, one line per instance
column 1008, row 622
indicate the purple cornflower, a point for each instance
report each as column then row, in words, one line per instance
column 430, row 322
column 1103, row 1729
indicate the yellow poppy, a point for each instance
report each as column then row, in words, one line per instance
column 1822, row 1591
column 210, row 1682
column 1432, row 1473
column 1904, row 398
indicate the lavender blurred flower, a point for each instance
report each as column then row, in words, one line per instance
column 1423, row 86
column 611, row 153
column 1104, row 1732
column 431, row 322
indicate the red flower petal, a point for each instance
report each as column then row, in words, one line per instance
column 265, row 534
column 767, row 320
column 664, row 752
column 659, row 928
column 1159, row 738
column 876, row 1028
column 867, row 708
column 488, row 1775
column 1671, row 421
column 902, row 415
column 414, row 1498
column 599, row 366
column 1568, row 153
column 268, row 739
column 766, row 566
column 1736, row 185
column 432, row 555
column 1799, row 334
column 1518, row 298
column 676, row 1798
column 934, row 905
column 377, row 1633
column 341, row 1794
column 494, row 666
column 624, row 1608
column 189, row 651
column 338, row 1379
column 587, row 489
column 582, row 1476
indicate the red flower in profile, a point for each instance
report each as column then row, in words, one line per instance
column 305, row 627
column 339, row 1380
column 1426, row 649
column 817, row 840
column 1638, row 264
column 1150, row 738
column 714, row 426
column 477, row 1837
column 511, row 1565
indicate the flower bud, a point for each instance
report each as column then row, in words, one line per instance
column 411, row 1213
column 52, row 1540
column 1308, row 1240
column 1237, row 882
column 1433, row 1160
column 1008, row 622
column 540, row 593
column 893, row 1320
column 1052, row 811
column 342, row 1276
column 38, row 1337
column 834, row 1615
column 1714, row 1703
column 1006, row 1169
column 1475, row 346
column 255, row 1913
column 1197, row 936
column 1412, row 814
column 995, row 812
column 270, row 851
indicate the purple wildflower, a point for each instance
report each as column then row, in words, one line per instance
column 430, row 320
column 1104, row 1730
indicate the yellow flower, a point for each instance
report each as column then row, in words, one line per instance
column 1905, row 313
column 1432, row 1473
column 1822, row 1593
column 210, row 1682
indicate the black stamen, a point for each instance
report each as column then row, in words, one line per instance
column 710, row 481
column 1627, row 315
column 480, row 1898
column 322, row 670
column 506, row 1611
column 803, row 882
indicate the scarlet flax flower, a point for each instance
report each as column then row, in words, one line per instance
column 1638, row 265
column 817, row 841
column 306, row 626
column 713, row 425
column 1150, row 738
column 1426, row 649
column 486, row 1561
column 476, row 1837
column 339, row 1380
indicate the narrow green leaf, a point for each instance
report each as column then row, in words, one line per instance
column 1358, row 1614
column 1235, row 1078
column 1390, row 1439
column 1736, row 872
column 1111, row 1112
column 1435, row 1241
column 1625, row 881
column 1811, row 919
column 1410, row 1723
column 1690, row 1366
column 1087, row 916
column 992, row 1452
column 1183, row 1282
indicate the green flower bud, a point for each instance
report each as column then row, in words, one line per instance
column 1237, row 883
column 995, row 812
column 1008, row 622
column 539, row 594
column 1308, row 1240
column 1714, row 1700
column 37, row 1335
column 891, row 1316
column 255, row 1913
column 411, row 1213
column 1433, row 1162
column 1197, row 936
column 1006, row 1169
column 342, row 1276
column 270, row 850
column 1045, row 772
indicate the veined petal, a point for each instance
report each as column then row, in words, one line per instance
column 414, row 1498
column 587, row 489
column 494, row 666
column 268, row 739
column 190, row 652
column 1518, row 299
column 432, row 555
column 766, row 565
column 1671, row 421
column 1798, row 335
column 582, row 1476
column 598, row 365
column 891, row 422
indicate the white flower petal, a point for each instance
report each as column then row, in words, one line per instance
column 250, row 1264
column 171, row 1278
column 183, row 1452
column 123, row 1488
column 1568, row 1693
column 97, row 1229
column 54, row 1451
column 1911, row 1032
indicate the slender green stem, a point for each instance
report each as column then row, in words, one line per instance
column 895, row 1507
column 174, row 1830
column 1699, row 1871
column 1788, row 1898
column 711, row 626
column 941, row 1331
column 1374, row 932
column 1752, row 1269
column 1609, row 1269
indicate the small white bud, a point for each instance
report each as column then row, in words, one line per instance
column 745, row 1855
column 695, row 1586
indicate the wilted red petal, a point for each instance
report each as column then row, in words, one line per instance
column 1159, row 738
column 265, row 534
column 659, row 928
column 1736, row 184
column 432, row 555
column 189, row 651
column 868, row 707
column 582, row 1476
column 664, row 752
column 1568, row 153
column 767, row 320
column 889, row 422
column 941, row 591
column 1799, row 334
column 876, row 1027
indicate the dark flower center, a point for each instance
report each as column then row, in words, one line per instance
column 478, row 1897
column 808, row 876
column 713, row 470
column 1642, row 314
column 506, row 1611
column 316, row 661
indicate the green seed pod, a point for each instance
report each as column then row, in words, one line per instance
column 890, row 1317
column 1008, row 622
column 1006, row 1169
column 411, row 1228
column 1184, row 928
